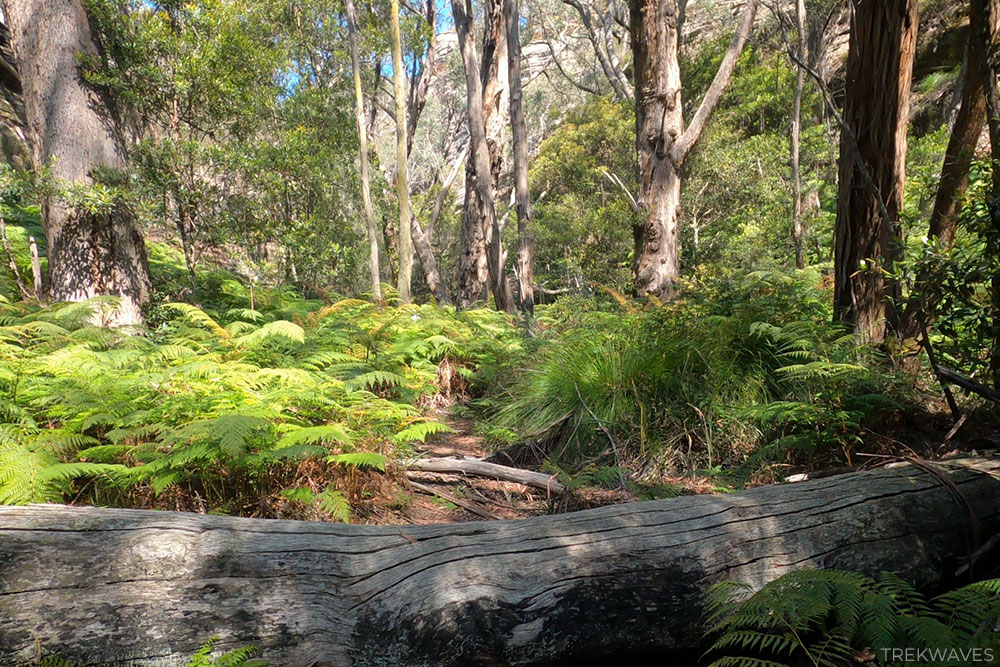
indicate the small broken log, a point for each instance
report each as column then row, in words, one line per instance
column 132, row 587
column 967, row 383
column 464, row 504
column 480, row 468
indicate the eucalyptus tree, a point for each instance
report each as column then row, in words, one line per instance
column 519, row 138
column 366, row 196
column 484, row 230
column 662, row 141
column 93, row 249
column 402, row 186
column 873, row 164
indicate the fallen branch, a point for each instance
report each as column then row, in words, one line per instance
column 480, row 468
column 464, row 504
column 967, row 383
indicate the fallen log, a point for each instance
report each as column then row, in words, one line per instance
column 480, row 468
column 967, row 383
column 129, row 587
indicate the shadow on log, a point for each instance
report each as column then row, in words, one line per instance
column 124, row 587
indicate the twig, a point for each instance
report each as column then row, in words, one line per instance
column 614, row 443
column 465, row 504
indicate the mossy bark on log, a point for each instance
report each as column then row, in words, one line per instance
column 121, row 587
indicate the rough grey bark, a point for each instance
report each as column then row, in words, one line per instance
column 873, row 164
column 366, row 194
column 71, row 128
column 127, row 587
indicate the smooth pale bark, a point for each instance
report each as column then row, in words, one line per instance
column 72, row 129
column 36, row 267
column 415, row 106
column 128, row 587
column 873, row 164
column 477, row 234
column 366, row 194
column 519, row 139
column 662, row 142
column 798, row 233
column 965, row 133
column 484, row 234
column 404, row 277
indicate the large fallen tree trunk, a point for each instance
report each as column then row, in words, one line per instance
column 133, row 587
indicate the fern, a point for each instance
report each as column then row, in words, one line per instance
column 826, row 617
column 418, row 432
column 334, row 504
column 360, row 460
column 221, row 408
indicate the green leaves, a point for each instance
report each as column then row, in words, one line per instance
column 360, row 460
column 826, row 617
column 215, row 412
column 418, row 432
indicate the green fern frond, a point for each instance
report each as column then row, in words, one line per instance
column 376, row 380
column 335, row 504
column 281, row 330
column 329, row 434
column 360, row 460
column 418, row 432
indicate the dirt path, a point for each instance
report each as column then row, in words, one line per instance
column 447, row 498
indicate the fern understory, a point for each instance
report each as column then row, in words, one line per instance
column 830, row 618
column 295, row 410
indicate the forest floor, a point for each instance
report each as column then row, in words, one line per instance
column 427, row 497
column 453, row 498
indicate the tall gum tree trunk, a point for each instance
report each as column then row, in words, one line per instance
column 662, row 142
column 519, row 138
column 482, row 176
column 366, row 195
column 71, row 128
column 877, row 115
column 798, row 232
column 477, row 235
column 404, row 278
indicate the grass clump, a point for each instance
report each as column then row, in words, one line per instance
column 725, row 375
